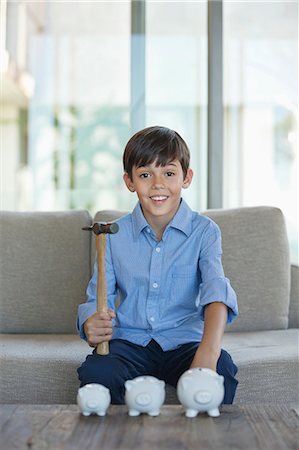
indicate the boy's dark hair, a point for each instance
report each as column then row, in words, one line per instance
column 159, row 144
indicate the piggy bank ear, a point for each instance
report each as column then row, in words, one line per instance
column 186, row 382
column 128, row 385
column 221, row 379
column 159, row 385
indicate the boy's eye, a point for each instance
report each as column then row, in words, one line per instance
column 144, row 175
column 169, row 174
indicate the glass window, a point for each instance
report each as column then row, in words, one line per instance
column 176, row 81
column 71, row 72
column 261, row 108
column 76, row 117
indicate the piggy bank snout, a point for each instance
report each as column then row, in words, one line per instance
column 203, row 397
column 143, row 399
column 91, row 403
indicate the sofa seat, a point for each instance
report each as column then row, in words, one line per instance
column 52, row 360
column 267, row 357
column 48, row 367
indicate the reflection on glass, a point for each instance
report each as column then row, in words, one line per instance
column 176, row 80
column 78, row 59
column 261, row 108
column 67, row 131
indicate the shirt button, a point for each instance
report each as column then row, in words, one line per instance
column 158, row 249
column 152, row 319
column 148, row 230
column 155, row 285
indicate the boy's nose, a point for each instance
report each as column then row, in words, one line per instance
column 158, row 183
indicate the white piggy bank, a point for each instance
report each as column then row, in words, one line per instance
column 144, row 395
column 201, row 390
column 93, row 398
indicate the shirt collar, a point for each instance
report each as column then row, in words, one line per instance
column 182, row 220
column 139, row 221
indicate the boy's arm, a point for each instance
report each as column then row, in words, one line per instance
column 217, row 300
column 209, row 349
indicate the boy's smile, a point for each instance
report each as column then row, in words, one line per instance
column 159, row 198
column 159, row 191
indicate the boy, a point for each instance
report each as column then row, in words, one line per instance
column 165, row 262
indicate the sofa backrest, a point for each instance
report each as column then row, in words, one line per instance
column 46, row 262
column 44, row 270
column 255, row 259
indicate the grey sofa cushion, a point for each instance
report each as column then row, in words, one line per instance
column 256, row 260
column 294, row 298
column 40, row 368
column 44, row 270
column 268, row 365
column 48, row 366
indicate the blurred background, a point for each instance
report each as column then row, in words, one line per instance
column 78, row 78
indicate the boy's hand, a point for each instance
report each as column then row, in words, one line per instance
column 98, row 328
column 205, row 358
column 209, row 349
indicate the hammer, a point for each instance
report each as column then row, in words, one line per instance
column 100, row 230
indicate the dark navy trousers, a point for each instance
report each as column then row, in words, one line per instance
column 127, row 361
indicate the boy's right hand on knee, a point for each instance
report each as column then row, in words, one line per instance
column 98, row 327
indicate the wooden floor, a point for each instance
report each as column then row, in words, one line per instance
column 62, row 427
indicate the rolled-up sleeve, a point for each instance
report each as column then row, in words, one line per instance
column 86, row 310
column 215, row 287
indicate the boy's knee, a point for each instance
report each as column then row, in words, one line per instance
column 94, row 370
column 228, row 369
column 106, row 371
column 225, row 365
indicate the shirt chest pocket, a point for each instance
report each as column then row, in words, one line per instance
column 184, row 285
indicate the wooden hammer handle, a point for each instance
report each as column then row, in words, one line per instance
column 103, row 347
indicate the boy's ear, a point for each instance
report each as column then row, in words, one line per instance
column 188, row 179
column 129, row 183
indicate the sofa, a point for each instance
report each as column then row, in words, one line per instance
column 46, row 261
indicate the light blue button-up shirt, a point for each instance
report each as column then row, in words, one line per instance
column 163, row 286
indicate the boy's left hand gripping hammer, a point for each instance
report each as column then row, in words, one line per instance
column 100, row 230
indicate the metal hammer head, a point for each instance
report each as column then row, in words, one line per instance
column 103, row 227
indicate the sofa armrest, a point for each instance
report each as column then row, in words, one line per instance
column 294, row 298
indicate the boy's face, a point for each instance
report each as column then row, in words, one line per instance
column 159, row 189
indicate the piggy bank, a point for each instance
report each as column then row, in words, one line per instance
column 144, row 395
column 200, row 390
column 93, row 398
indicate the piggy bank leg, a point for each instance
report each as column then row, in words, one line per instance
column 133, row 413
column 86, row 413
column 101, row 413
column 191, row 413
column 214, row 412
column 154, row 413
